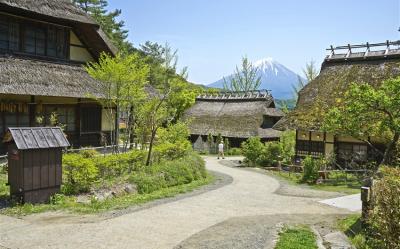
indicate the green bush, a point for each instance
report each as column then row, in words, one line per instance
column 147, row 183
column 385, row 218
column 234, row 152
column 115, row 165
column 172, row 142
column 311, row 168
column 89, row 153
column 287, row 143
column 79, row 173
column 170, row 173
column 271, row 154
column 252, row 149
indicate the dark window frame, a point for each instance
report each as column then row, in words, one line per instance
column 24, row 25
column 307, row 147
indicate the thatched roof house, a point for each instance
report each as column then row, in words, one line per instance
column 367, row 63
column 234, row 115
column 43, row 47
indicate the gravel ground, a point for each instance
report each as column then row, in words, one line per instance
column 169, row 224
column 253, row 232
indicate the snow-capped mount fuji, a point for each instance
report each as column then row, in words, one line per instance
column 274, row 76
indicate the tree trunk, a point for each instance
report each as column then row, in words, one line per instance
column 116, row 137
column 389, row 149
column 153, row 135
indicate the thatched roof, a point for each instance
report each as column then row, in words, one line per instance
column 61, row 9
column 42, row 78
column 234, row 117
column 337, row 73
column 63, row 12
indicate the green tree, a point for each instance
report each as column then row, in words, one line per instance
column 367, row 112
column 122, row 80
column 252, row 149
column 173, row 96
column 245, row 79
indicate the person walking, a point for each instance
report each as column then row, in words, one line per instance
column 221, row 150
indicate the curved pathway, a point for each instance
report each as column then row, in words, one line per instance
column 167, row 225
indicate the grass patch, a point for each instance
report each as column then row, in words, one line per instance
column 69, row 204
column 351, row 226
column 300, row 237
column 352, row 186
column 341, row 188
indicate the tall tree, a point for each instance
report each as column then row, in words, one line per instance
column 245, row 79
column 122, row 81
column 367, row 112
column 173, row 93
column 108, row 22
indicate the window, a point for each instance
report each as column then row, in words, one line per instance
column 91, row 119
column 65, row 117
column 18, row 35
column 9, row 35
column 348, row 151
column 268, row 122
column 314, row 148
column 14, row 119
column 3, row 34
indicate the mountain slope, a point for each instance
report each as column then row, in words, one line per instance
column 274, row 76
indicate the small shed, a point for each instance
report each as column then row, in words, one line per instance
column 34, row 162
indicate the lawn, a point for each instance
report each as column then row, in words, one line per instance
column 68, row 203
column 351, row 226
column 300, row 237
column 351, row 186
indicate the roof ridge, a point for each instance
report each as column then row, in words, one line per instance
column 364, row 51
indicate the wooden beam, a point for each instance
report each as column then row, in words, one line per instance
column 32, row 112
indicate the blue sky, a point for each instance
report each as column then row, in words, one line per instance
column 212, row 35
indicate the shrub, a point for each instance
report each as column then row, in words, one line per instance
column 147, row 183
column 118, row 164
column 79, row 173
column 385, row 218
column 170, row 173
column 287, row 143
column 172, row 142
column 89, row 153
column 234, row 152
column 252, row 149
column 311, row 168
column 271, row 154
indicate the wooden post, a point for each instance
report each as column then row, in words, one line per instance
column 366, row 198
column 32, row 112
column 78, row 114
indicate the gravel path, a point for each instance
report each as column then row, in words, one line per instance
column 170, row 224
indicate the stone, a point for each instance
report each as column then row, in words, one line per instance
column 337, row 240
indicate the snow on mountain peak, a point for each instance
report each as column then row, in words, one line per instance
column 274, row 76
column 266, row 61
